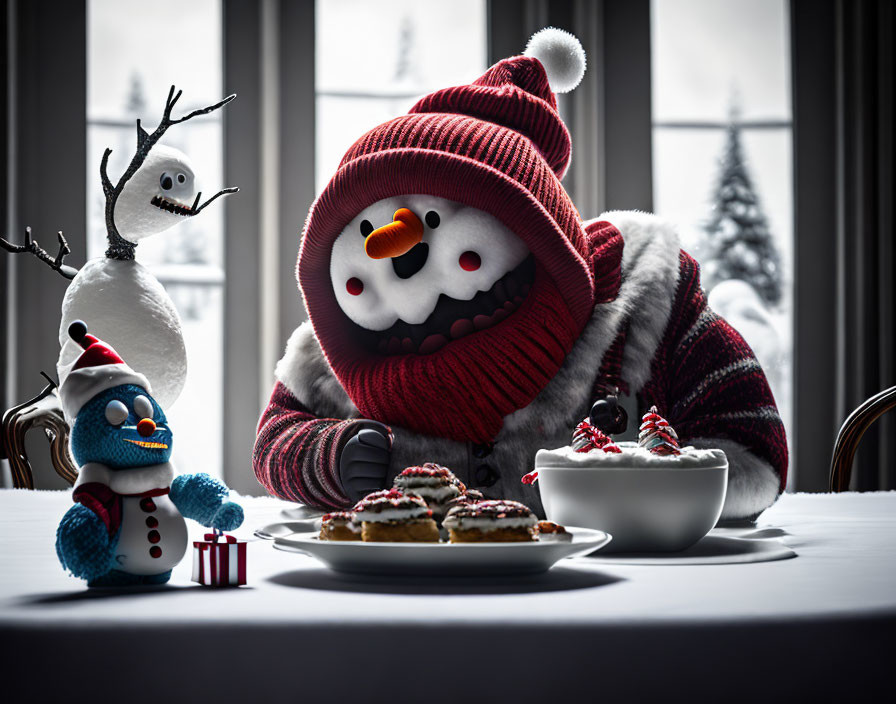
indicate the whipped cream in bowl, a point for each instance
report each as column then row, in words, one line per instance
column 648, row 502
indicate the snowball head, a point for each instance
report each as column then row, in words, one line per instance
column 382, row 298
column 158, row 196
column 125, row 306
column 562, row 56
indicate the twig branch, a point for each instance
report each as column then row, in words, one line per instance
column 32, row 247
column 120, row 248
column 104, row 174
column 194, row 210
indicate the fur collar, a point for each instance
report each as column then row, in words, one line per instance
column 650, row 266
column 753, row 485
column 127, row 481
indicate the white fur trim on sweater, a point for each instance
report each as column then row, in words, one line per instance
column 752, row 483
column 81, row 385
column 306, row 373
column 132, row 480
column 650, row 269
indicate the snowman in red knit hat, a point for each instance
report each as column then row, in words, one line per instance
column 127, row 525
column 460, row 311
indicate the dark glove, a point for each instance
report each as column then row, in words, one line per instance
column 365, row 460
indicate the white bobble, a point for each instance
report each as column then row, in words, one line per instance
column 562, row 56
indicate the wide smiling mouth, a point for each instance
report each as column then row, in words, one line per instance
column 148, row 444
column 171, row 206
column 453, row 319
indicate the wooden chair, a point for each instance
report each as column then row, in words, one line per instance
column 43, row 411
column 851, row 433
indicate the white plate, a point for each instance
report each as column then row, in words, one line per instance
column 444, row 559
column 714, row 549
column 287, row 528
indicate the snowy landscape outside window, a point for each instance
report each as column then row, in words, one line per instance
column 722, row 163
column 135, row 53
column 375, row 59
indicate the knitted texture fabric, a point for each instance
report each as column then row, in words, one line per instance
column 708, row 382
column 201, row 497
column 703, row 375
column 498, row 145
column 83, row 545
column 94, row 439
column 296, row 455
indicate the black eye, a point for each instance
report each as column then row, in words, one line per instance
column 433, row 219
column 366, row 227
column 166, row 182
column 181, row 178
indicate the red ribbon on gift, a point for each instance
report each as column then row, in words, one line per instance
column 213, row 537
column 218, row 573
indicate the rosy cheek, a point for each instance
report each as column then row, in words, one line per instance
column 469, row 261
column 354, row 286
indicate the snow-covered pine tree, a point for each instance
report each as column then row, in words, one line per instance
column 737, row 242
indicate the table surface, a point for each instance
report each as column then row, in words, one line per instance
column 577, row 617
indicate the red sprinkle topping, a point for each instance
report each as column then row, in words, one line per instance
column 530, row 478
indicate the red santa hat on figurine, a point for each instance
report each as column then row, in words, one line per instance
column 408, row 318
column 97, row 369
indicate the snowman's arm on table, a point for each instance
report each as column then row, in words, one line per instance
column 204, row 499
column 83, row 543
column 716, row 396
column 297, row 454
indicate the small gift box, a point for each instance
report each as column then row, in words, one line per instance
column 219, row 564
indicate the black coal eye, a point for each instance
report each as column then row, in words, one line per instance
column 166, row 182
column 366, row 227
column 433, row 219
column 181, row 178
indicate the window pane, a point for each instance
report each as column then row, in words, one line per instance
column 722, row 170
column 135, row 53
column 704, row 49
column 373, row 59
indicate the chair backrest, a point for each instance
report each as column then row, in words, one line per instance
column 851, row 433
column 43, row 411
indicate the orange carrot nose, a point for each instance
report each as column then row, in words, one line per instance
column 146, row 427
column 396, row 238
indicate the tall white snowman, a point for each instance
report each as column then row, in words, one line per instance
column 125, row 304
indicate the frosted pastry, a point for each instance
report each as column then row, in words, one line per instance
column 490, row 522
column 392, row 516
column 435, row 484
column 340, row 525
column 549, row 532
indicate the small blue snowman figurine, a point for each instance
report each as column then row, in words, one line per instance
column 127, row 525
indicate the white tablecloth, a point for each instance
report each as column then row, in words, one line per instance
column 822, row 622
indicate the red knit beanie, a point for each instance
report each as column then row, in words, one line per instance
column 498, row 145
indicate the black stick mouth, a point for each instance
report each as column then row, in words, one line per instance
column 171, row 206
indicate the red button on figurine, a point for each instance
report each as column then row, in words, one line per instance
column 152, row 521
column 148, row 505
column 153, row 536
column 155, row 551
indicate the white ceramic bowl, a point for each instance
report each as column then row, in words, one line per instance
column 644, row 508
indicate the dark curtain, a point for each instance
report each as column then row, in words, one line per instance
column 843, row 142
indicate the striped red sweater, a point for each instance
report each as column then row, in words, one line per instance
column 701, row 375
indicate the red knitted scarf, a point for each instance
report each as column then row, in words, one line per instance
column 464, row 390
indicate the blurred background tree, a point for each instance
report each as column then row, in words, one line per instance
column 737, row 242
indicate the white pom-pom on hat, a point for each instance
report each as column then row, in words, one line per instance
column 562, row 56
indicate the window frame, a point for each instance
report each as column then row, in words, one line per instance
column 46, row 143
column 269, row 63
